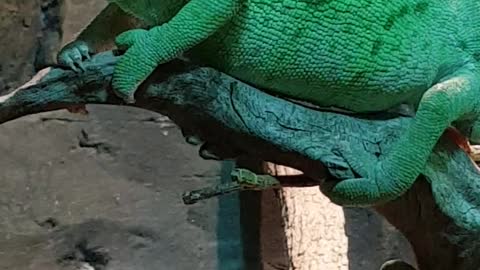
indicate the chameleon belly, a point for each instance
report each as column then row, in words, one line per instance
column 360, row 55
column 348, row 60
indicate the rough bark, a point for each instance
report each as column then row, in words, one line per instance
column 318, row 234
column 239, row 121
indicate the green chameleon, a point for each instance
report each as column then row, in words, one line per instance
column 359, row 55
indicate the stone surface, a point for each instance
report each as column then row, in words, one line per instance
column 17, row 60
column 62, row 173
column 112, row 181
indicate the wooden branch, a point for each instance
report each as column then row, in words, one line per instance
column 235, row 120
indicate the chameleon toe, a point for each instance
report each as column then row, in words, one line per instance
column 207, row 154
column 73, row 54
column 129, row 38
column 84, row 51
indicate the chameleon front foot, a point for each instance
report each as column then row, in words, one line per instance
column 73, row 55
column 242, row 179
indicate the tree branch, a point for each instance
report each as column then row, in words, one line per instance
column 439, row 216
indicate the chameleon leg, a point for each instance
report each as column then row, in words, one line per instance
column 447, row 101
column 195, row 22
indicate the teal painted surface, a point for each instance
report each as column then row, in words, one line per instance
column 229, row 229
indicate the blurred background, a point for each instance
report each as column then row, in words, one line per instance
column 103, row 191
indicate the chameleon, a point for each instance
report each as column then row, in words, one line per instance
column 359, row 55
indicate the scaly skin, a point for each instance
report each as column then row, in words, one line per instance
column 362, row 55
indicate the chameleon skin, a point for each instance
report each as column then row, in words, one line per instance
column 360, row 55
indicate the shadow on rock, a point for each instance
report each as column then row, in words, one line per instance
column 92, row 245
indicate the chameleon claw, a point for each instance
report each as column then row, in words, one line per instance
column 85, row 52
column 206, row 154
column 68, row 61
column 193, row 140
column 123, row 89
column 190, row 137
column 74, row 61
column 81, row 66
column 127, row 97
column 73, row 67
column 130, row 99
column 73, row 54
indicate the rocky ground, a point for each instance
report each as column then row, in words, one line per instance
column 74, row 184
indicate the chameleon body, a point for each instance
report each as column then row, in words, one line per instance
column 360, row 55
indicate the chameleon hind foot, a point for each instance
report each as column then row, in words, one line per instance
column 364, row 191
column 73, row 55
column 452, row 99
